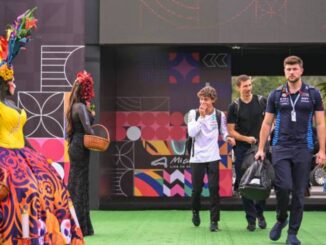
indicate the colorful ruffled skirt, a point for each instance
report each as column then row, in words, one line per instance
column 37, row 206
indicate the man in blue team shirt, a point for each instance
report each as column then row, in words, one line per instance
column 293, row 106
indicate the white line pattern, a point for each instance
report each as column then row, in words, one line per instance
column 51, row 56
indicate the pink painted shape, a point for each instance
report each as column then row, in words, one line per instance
column 226, row 182
column 176, row 118
column 195, row 79
column 51, row 148
column 184, row 67
column 148, row 133
column 162, row 118
column 121, row 119
column 166, row 176
column 35, row 144
column 177, row 189
column 120, row 134
column 162, row 133
column 178, row 133
column 205, row 179
column 66, row 167
column 172, row 80
column 133, row 118
column 148, row 118
column 172, row 56
column 195, row 56
column 54, row 149
column 187, row 176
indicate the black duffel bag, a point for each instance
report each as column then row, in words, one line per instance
column 256, row 183
column 249, row 157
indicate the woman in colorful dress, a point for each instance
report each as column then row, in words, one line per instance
column 80, row 117
column 35, row 207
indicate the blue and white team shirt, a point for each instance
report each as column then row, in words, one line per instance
column 288, row 132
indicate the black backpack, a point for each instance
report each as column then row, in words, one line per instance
column 189, row 145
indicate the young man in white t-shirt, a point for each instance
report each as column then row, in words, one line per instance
column 205, row 154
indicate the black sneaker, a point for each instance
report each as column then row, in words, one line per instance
column 276, row 231
column 262, row 222
column 195, row 218
column 251, row 227
column 214, row 226
column 292, row 240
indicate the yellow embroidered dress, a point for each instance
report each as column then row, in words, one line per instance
column 38, row 203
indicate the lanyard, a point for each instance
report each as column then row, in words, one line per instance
column 293, row 113
column 295, row 101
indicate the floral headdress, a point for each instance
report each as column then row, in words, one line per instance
column 18, row 34
column 86, row 82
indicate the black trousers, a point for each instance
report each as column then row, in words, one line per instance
column 292, row 168
column 198, row 174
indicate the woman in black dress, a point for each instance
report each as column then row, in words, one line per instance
column 79, row 120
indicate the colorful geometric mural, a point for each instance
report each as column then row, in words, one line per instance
column 172, row 183
column 151, row 130
column 184, row 67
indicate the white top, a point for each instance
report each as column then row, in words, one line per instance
column 205, row 134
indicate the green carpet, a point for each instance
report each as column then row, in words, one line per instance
column 175, row 227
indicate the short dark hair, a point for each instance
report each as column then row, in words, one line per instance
column 208, row 91
column 242, row 78
column 293, row 60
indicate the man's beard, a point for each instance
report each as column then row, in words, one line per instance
column 247, row 94
column 294, row 81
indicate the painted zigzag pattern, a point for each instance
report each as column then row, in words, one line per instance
column 173, row 183
column 188, row 184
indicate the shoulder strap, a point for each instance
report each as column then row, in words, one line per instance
column 237, row 109
column 218, row 119
column 278, row 93
column 260, row 100
column 262, row 103
column 191, row 141
column 197, row 114
column 312, row 94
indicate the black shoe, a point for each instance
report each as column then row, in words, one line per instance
column 251, row 227
column 292, row 240
column 262, row 222
column 214, row 226
column 276, row 231
column 195, row 218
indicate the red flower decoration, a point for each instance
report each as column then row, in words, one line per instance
column 3, row 48
column 87, row 85
column 30, row 23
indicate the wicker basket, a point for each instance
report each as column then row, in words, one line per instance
column 96, row 142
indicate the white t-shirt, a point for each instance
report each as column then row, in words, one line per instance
column 205, row 133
